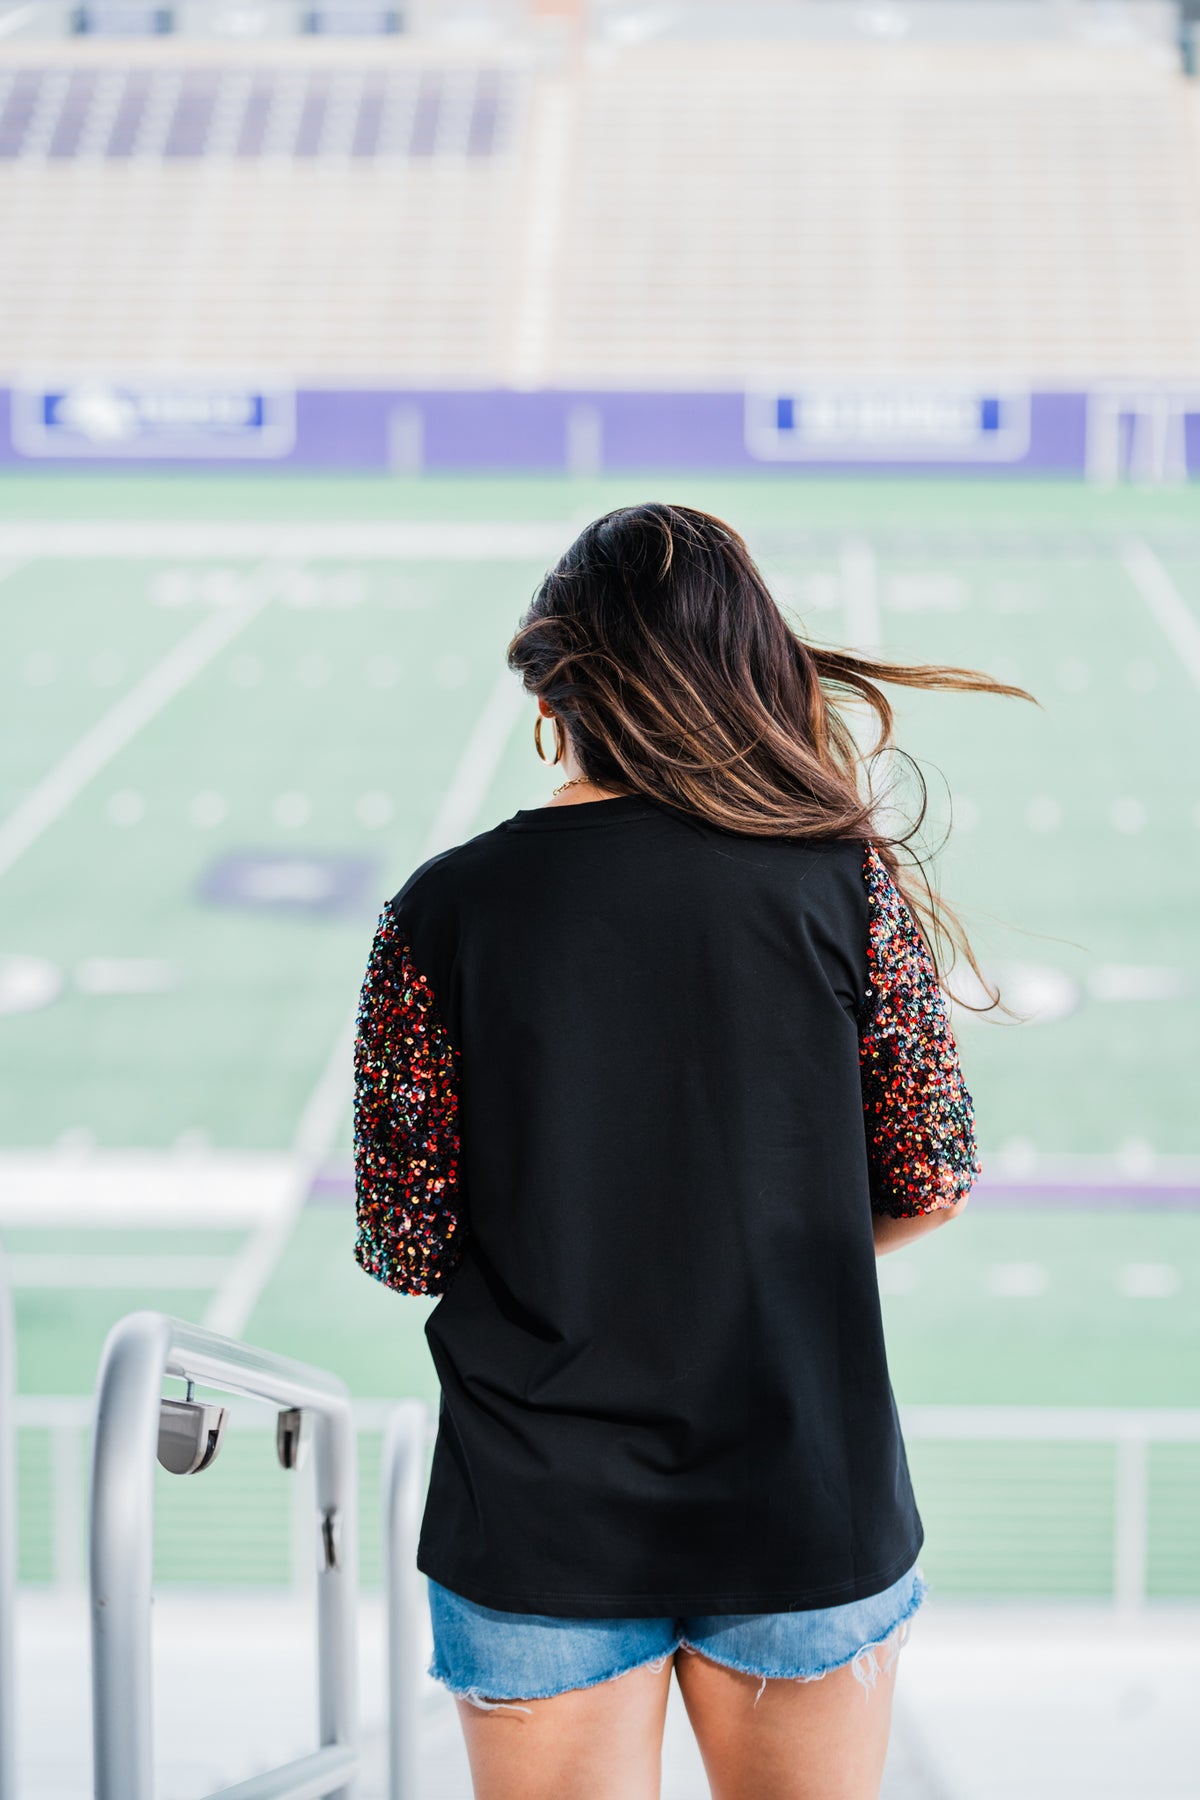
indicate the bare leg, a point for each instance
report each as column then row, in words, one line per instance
column 595, row 1743
column 803, row 1740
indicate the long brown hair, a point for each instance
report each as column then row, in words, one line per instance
column 657, row 642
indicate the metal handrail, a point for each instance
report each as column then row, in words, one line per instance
column 403, row 1500
column 1131, row 1430
column 8, row 1542
column 141, row 1349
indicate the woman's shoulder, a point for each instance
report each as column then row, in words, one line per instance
column 448, row 870
column 834, row 872
column 839, row 862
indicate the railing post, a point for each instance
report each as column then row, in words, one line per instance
column 121, row 1554
column 334, row 1454
column 140, row 1351
column 8, row 1543
column 403, row 1499
column 1129, row 1526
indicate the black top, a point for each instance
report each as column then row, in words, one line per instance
column 627, row 1090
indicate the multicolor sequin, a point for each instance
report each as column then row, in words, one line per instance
column 919, row 1116
column 406, row 1125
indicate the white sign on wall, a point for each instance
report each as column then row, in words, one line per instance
column 866, row 422
column 101, row 418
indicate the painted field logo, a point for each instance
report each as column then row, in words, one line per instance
column 832, row 424
column 301, row 881
column 152, row 419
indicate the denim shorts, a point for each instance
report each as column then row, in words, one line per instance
column 497, row 1658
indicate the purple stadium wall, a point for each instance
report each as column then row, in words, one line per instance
column 831, row 428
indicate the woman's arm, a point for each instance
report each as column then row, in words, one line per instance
column 920, row 1123
column 411, row 1228
column 892, row 1233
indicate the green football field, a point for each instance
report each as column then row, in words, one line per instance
column 236, row 714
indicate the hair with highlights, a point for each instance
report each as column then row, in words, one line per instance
column 656, row 641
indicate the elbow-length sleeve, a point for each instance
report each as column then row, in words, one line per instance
column 411, row 1229
column 920, row 1121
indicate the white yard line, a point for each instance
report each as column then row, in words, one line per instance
column 115, row 1271
column 1171, row 611
column 860, row 597
column 477, row 764
column 249, row 1272
column 140, row 1189
column 186, row 540
column 121, row 724
column 863, row 623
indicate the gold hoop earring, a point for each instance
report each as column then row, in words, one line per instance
column 560, row 740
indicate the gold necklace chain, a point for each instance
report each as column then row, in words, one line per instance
column 575, row 781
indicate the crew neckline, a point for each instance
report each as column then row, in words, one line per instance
column 583, row 812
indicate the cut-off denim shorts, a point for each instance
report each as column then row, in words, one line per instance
column 500, row 1658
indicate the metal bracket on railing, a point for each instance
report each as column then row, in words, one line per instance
column 189, row 1434
column 403, row 1499
column 293, row 1431
column 8, row 1542
column 140, row 1351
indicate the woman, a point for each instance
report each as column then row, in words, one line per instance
column 646, row 1079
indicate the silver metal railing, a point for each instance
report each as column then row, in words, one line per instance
column 141, row 1350
column 403, row 1501
column 1141, row 1494
column 1131, row 1429
column 8, row 1542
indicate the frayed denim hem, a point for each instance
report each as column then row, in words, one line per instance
column 476, row 1695
column 865, row 1676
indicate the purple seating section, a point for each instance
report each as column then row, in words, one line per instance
column 19, row 109
column 184, row 113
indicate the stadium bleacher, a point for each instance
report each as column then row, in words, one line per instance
column 877, row 209
column 672, row 211
column 327, row 220
column 172, row 111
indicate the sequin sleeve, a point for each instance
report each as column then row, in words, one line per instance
column 406, row 1125
column 919, row 1116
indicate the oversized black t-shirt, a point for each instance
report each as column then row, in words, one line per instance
column 628, row 1089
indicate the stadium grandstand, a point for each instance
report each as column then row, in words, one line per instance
column 322, row 329
column 685, row 197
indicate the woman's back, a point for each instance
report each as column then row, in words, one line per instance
column 629, row 1087
column 645, row 1081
